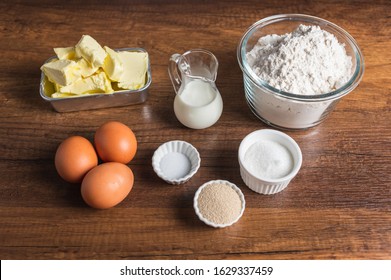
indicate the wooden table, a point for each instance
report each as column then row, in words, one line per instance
column 338, row 206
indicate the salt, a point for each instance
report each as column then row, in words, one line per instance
column 268, row 159
column 175, row 165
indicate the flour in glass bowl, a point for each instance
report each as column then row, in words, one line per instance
column 308, row 61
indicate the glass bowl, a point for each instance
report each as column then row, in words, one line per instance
column 283, row 109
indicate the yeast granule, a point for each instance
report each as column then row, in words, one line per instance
column 219, row 203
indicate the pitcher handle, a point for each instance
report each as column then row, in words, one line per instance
column 173, row 72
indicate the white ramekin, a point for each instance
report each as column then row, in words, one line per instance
column 268, row 185
column 206, row 221
column 176, row 146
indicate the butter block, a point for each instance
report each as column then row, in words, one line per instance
column 90, row 50
column 65, row 53
column 62, row 72
column 113, row 65
column 97, row 83
column 86, row 69
column 135, row 67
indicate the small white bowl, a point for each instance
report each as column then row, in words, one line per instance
column 176, row 161
column 269, row 185
column 206, row 221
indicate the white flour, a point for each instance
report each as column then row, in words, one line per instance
column 308, row 61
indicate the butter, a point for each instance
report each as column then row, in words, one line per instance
column 86, row 69
column 65, row 53
column 57, row 87
column 113, row 65
column 64, row 95
column 62, row 72
column 90, row 50
column 135, row 67
column 97, row 83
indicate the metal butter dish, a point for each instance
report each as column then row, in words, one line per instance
column 96, row 101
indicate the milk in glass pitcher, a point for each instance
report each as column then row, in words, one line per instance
column 198, row 103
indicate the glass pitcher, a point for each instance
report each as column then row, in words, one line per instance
column 198, row 103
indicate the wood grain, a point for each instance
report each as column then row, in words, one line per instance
column 338, row 206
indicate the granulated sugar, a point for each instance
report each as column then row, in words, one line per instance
column 219, row 203
column 268, row 159
column 308, row 61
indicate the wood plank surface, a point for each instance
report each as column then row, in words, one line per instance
column 338, row 206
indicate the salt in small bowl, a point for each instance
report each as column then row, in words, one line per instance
column 265, row 185
column 176, row 161
column 205, row 220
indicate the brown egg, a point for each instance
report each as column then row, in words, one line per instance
column 115, row 141
column 75, row 156
column 107, row 185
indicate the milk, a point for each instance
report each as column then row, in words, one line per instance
column 198, row 104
